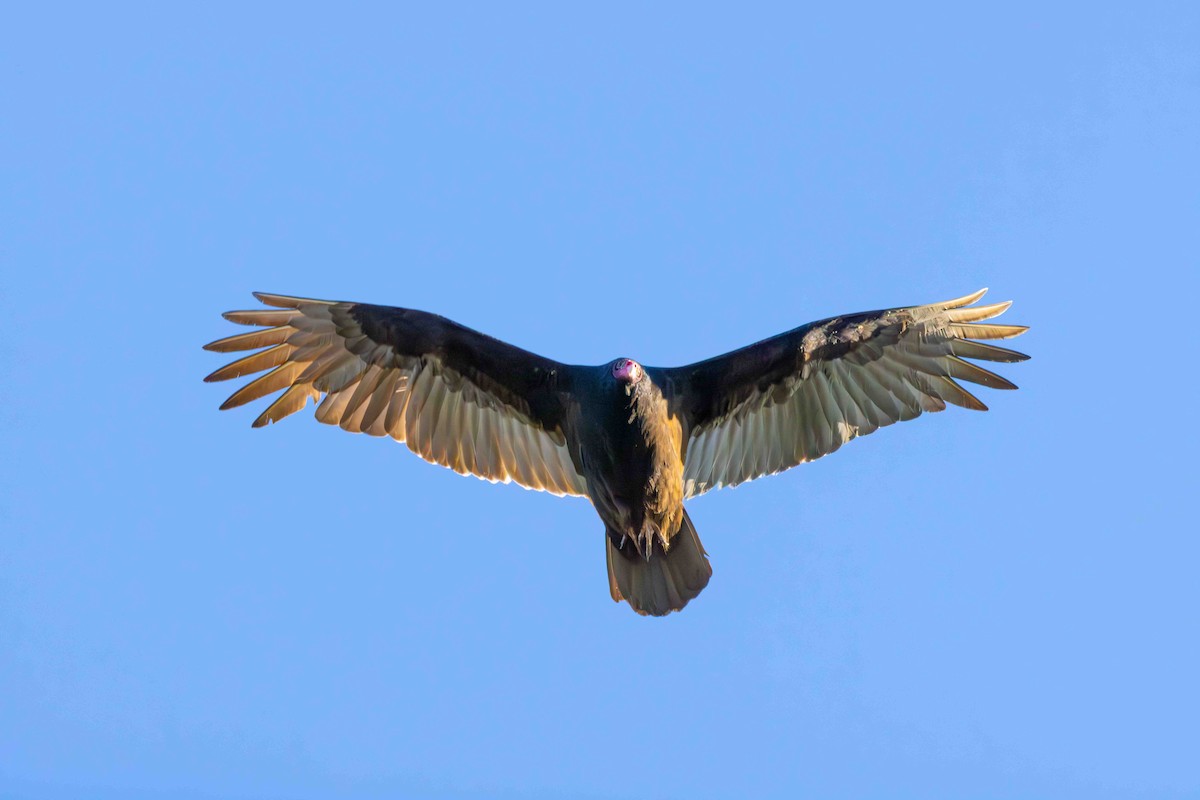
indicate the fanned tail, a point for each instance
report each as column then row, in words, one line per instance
column 665, row 581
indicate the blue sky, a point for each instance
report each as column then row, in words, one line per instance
column 968, row 605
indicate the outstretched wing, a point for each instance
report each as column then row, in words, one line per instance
column 803, row 394
column 456, row 397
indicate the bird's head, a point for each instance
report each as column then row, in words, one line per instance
column 627, row 371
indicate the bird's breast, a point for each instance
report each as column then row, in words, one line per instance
column 632, row 458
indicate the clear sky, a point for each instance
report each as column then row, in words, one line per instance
column 968, row 605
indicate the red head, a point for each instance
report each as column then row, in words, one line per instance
column 626, row 370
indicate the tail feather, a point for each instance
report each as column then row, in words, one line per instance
column 665, row 581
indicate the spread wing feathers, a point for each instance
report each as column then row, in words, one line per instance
column 442, row 389
column 804, row 394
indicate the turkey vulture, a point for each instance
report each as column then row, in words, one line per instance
column 635, row 440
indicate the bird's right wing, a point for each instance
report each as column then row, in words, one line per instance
column 455, row 396
column 803, row 394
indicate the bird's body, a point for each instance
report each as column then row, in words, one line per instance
column 637, row 441
column 630, row 451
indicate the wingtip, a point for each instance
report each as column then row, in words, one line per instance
column 276, row 300
column 288, row 301
column 974, row 404
column 965, row 300
column 976, row 313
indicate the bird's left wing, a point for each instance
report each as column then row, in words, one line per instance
column 455, row 396
column 803, row 394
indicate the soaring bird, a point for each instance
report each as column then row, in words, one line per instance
column 635, row 440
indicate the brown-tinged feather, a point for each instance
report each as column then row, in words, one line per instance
column 959, row 302
column 383, row 394
column 981, row 351
column 366, row 385
column 261, row 317
column 287, row 403
column 251, row 340
column 988, row 331
column 965, row 370
column 333, row 409
column 952, row 392
column 977, row 313
column 256, row 362
column 275, row 380
column 283, row 301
